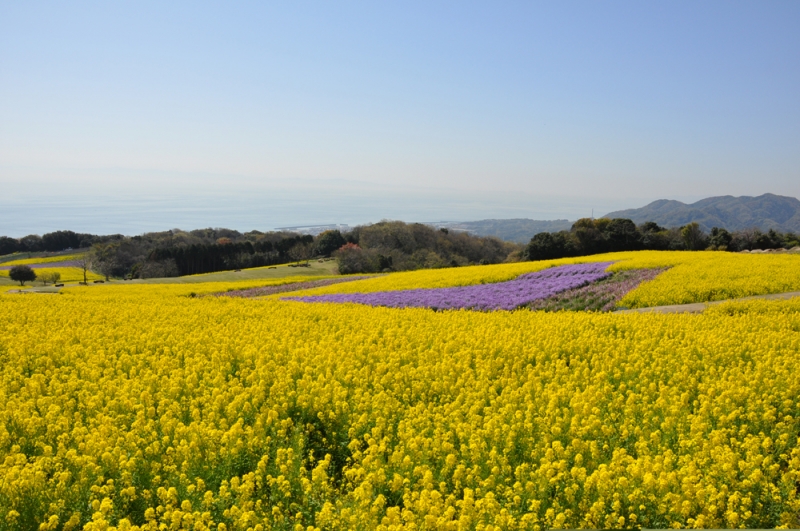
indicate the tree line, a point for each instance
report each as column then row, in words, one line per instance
column 206, row 258
column 594, row 236
column 179, row 253
column 384, row 246
column 50, row 242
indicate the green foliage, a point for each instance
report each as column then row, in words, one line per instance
column 719, row 239
column 593, row 236
column 546, row 246
column 50, row 276
column 398, row 246
column 353, row 259
column 328, row 242
column 693, row 237
column 9, row 245
column 22, row 274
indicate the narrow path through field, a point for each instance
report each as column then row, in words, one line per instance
column 698, row 307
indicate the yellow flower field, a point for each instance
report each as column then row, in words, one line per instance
column 44, row 259
column 693, row 276
column 68, row 274
column 139, row 406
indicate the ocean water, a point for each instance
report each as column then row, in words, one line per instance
column 265, row 210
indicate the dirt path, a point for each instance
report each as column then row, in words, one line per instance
column 698, row 307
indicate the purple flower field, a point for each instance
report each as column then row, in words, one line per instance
column 499, row 296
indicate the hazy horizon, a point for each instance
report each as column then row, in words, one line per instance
column 134, row 117
column 268, row 206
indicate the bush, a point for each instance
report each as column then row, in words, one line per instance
column 22, row 274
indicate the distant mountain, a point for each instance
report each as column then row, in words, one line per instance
column 768, row 211
column 513, row 230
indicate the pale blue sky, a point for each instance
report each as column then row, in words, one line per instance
column 541, row 110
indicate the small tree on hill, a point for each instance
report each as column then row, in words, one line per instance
column 85, row 263
column 50, row 276
column 22, row 274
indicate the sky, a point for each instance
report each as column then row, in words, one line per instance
column 136, row 116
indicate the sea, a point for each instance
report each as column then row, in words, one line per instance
column 265, row 210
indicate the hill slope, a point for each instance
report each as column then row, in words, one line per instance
column 768, row 211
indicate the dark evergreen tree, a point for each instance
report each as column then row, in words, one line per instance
column 22, row 274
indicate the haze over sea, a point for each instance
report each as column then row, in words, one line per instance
column 266, row 205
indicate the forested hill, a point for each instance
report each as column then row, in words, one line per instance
column 383, row 246
column 764, row 212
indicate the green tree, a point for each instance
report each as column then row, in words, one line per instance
column 8, row 245
column 546, row 246
column 104, row 257
column 328, row 242
column 693, row 236
column 720, row 239
column 300, row 251
column 22, row 274
column 651, row 226
column 50, row 276
column 621, row 235
column 353, row 259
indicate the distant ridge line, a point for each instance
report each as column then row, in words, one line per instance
column 764, row 212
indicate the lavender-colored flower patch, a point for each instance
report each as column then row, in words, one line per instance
column 601, row 296
column 499, row 296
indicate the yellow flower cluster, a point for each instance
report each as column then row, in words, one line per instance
column 139, row 407
column 44, row 259
column 715, row 276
